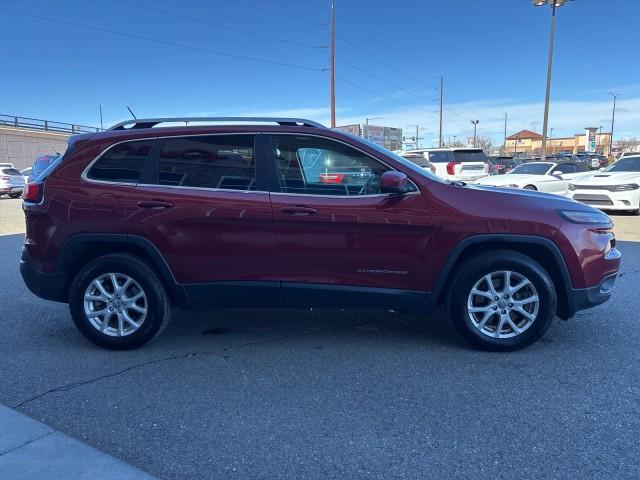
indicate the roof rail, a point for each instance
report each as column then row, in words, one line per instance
column 152, row 122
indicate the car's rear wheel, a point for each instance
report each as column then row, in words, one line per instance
column 501, row 301
column 118, row 302
column 15, row 195
column 530, row 187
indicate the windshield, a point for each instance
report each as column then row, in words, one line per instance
column 532, row 169
column 42, row 163
column 398, row 158
column 630, row 164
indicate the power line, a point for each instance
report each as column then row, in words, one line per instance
column 382, row 62
column 270, row 37
column 277, row 13
column 217, row 25
column 377, row 94
column 163, row 42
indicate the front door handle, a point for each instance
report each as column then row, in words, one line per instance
column 298, row 210
column 154, row 204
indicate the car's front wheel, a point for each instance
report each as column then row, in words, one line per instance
column 502, row 301
column 118, row 302
column 15, row 195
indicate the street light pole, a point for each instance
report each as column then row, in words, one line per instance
column 366, row 125
column 101, row 125
column 613, row 120
column 332, row 68
column 554, row 4
column 475, row 131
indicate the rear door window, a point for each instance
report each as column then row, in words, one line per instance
column 122, row 163
column 214, row 161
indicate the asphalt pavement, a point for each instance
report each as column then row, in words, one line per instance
column 312, row 394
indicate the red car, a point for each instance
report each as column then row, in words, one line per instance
column 135, row 220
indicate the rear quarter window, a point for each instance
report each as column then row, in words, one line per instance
column 122, row 163
column 11, row 171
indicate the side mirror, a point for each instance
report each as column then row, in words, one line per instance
column 394, row 182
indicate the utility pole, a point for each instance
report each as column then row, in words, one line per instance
column 441, row 104
column 333, row 73
column 505, row 133
column 613, row 120
column 101, row 125
column 475, row 132
column 417, row 136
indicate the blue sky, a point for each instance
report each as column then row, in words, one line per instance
column 492, row 55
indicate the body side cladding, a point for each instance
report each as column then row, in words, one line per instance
column 569, row 309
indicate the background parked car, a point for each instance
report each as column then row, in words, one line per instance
column 504, row 164
column 457, row 164
column 25, row 173
column 549, row 177
column 617, row 187
column 40, row 165
column 11, row 182
column 420, row 160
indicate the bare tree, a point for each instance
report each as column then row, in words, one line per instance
column 486, row 144
column 627, row 144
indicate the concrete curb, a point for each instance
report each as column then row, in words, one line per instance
column 32, row 450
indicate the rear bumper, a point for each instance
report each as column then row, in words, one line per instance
column 50, row 286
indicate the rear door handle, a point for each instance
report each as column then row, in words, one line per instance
column 298, row 210
column 154, row 204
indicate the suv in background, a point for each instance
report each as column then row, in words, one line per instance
column 140, row 218
column 11, row 182
column 40, row 164
column 457, row 164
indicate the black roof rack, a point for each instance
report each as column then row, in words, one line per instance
column 152, row 122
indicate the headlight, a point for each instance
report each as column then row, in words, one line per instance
column 585, row 217
column 624, row 188
column 572, row 186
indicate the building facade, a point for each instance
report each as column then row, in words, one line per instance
column 526, row 142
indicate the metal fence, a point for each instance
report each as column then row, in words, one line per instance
column 45, row 125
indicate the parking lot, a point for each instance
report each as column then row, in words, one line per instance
column 314, row 394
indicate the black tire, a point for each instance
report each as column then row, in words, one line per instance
column 474, row 269
column 530, row 187
column 15, row 195
column 157, row 302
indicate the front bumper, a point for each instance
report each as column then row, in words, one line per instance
column 606, row 200
column 50, row 286
column 583, row 298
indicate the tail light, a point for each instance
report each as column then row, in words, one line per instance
column 451, row 167
column 33, row 192
column 4, row 177
column 331, row 177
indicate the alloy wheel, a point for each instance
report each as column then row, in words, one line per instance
column 503, row 304
column 115, row 304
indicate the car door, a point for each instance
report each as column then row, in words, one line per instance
column 204, row 205
column 340, row 242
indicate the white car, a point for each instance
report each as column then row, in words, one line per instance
column 548, row 177
column 11, row 182
column 456, row 164
column 616, row 187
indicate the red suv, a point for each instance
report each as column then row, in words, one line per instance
column 143, row 217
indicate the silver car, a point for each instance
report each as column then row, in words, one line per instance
column 11, row 182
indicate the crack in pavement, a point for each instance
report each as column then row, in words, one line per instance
column 27, row 443
column 74, row 385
